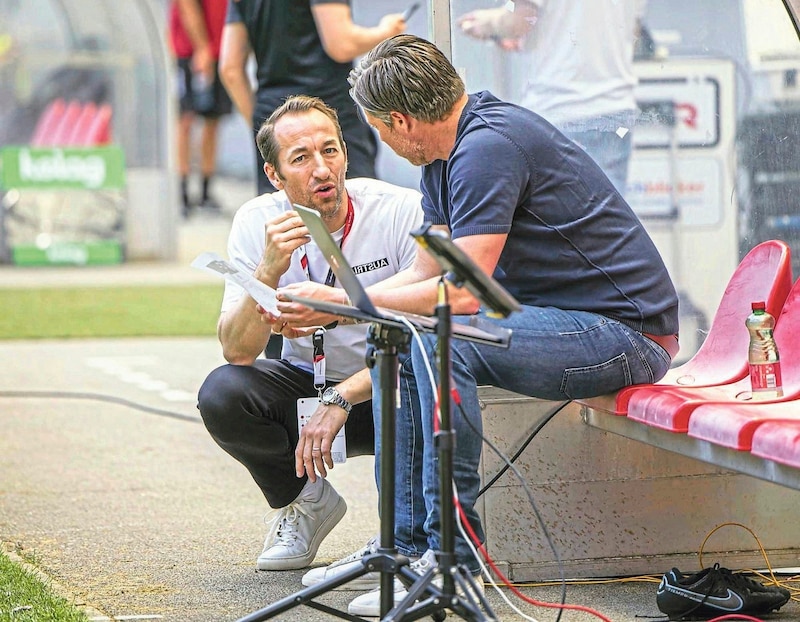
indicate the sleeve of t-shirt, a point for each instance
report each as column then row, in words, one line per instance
column 234, row 15
column 409, row 219
column 488, row 177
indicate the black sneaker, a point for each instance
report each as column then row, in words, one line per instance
column 715, row 591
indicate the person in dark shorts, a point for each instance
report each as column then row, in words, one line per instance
column 195, row 34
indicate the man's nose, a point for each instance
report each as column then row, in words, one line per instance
column 321, row 168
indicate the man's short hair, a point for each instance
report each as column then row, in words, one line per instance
column 406, row 74
column 296, row 104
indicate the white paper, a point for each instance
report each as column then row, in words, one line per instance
column 262, row 294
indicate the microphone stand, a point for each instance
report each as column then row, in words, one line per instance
column 387, row 341
column 459, row 591
column 388, row 336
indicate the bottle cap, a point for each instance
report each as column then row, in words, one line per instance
column 759, row 306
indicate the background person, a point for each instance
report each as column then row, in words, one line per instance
column 195, row 34
column 579, row 65
column 300, row 47
column 249, row 406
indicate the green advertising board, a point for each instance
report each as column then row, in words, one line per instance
column 91, row 168
column 36, row 173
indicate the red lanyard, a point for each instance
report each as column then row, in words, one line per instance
column 318, row 337
column 348, row 224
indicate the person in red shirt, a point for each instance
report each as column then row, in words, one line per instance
column 195, row 33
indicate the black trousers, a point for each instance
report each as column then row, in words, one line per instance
column 251, row 412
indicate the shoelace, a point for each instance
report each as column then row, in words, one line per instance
column 740, row 580
column 360, row 553
column 419, row 566
column 283, row 525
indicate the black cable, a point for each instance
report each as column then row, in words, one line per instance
column 102, row 398
column 528, row 493
column 522, row 447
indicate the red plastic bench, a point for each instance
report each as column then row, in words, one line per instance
column 733, row 425
column 765, row 273
column 671, row 408
column 778, row 441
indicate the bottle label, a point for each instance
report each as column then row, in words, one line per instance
column 765, row 379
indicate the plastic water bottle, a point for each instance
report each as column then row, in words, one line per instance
column 765, row 362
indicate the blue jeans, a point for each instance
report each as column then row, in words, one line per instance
column 409, row 505
column 554, row 354
column 598, row 137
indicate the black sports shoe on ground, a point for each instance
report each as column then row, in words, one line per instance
column 713, row 592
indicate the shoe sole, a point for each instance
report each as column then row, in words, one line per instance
column 370, row 611
column 302, row 561
column 369, row 581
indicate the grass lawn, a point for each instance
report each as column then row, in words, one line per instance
column 24, row 598
column 91, row 312
column 109, row 312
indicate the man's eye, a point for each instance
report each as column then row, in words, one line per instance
column 298, row 159
column 331, row 150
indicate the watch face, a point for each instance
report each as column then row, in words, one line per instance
column 328, row 394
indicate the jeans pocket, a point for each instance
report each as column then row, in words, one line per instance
column 593, row 380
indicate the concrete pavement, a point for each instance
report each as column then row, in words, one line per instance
column 109, row 482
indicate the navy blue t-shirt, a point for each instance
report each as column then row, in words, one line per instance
column 573, row 242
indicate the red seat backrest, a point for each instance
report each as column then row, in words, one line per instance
column 65, row 127
column 47, row 123
column 765, row 273
column 99, row 130
column 76, row 137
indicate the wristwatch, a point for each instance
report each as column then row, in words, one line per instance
column 332, row 396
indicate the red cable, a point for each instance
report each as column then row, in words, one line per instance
column 473, row 536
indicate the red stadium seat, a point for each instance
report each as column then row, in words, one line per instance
column 733, row 425
column 765, row 273
column 670, row 408
column 47, row 124
column 76, row 135
column 778, row 441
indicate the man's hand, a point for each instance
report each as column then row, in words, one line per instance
column 203, row 62
column 500, row 25
column 283, row 236
column 313, row 452
column 392, row 24
column 299, row 316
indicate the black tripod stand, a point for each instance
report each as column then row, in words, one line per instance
column 387, row 342
column 457, row 590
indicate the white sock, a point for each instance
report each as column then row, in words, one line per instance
column 312, row 491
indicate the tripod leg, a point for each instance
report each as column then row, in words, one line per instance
column 427, row 596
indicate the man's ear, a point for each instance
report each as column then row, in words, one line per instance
column 402, row 122
column 273, row 176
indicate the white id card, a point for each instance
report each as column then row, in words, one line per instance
column 306, row 406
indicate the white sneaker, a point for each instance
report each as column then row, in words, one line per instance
column 369, row 581
column 297, row 530
column 369, row 605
